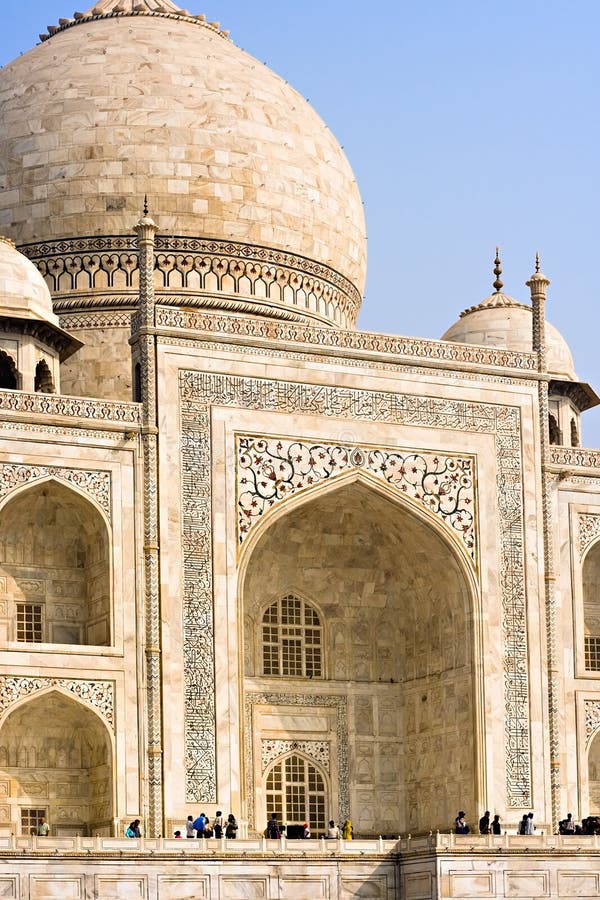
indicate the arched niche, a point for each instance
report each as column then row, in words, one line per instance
column 591, row 607
column 9, row 376
column 55, row 563
column 398, row 644
column 56, row 754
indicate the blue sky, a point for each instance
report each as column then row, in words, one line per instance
column 468, row 124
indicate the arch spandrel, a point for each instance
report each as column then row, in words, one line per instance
column 272, row 470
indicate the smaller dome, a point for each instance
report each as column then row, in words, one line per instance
column 23, row 291
column 502, row 321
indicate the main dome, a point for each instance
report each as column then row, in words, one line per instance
column 135, row 98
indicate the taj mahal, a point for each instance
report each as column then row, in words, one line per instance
column 253, row 559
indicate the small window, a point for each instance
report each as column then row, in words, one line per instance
column 30, row 819
column 574, row 434
column 292, row 639
column 592, row 653
column 553, row 430
column 29, row 623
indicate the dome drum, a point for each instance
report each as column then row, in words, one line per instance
column 87, row 274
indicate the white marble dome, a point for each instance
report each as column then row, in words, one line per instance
column 23, row 291
column 501, row 321
column 135, row 98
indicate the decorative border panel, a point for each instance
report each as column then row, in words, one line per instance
column 362, row 342
column 270, row 470
column 318, row 751
column 96, row 484
column 589, row 530
column 304, row 700
column 198, row 392
column 98, row 694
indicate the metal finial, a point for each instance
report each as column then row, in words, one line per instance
column 537, row 262
column 145, row 204
column 498, row 285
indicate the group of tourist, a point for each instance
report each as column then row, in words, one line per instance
column 276, row 830
column 589, row 825
column 202, row 827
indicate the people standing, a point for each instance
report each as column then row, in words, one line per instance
column 231, row 827
column 484, row 823
column 567, row 826
column 496, row 826
column 529, row 826
column 347, row 830
column 134, row 829
column 190, row 831
column 273, row 827
column 43, row 829
column 460, row 824
column 199, row 825
column 306, row 833
column 333, row 832
column 218, row 824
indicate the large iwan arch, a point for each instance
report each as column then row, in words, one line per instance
column 57, row 756
column 54, row 568
column 398, row 609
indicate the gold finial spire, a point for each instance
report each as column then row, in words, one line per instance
column 537, row 263
column 498, row 284
column 145, row 204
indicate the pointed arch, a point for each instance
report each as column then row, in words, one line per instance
column 43, row 382
column 401, row 610
column 52, row 741
column 297, row 791
column 47, row 526
column 9, row 374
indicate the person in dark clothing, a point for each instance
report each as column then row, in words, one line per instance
column 496, row 826
column 460, row 824
column 484, row 823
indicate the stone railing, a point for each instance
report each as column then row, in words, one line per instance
column 574, row 456
column 431, row 843
column 196, row 847
column 94, row 412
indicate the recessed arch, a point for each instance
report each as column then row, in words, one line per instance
column 297, row 791
column 590, row 578
column 9, row 374
column 59, row 756
column 401, row 609
column 55, row 558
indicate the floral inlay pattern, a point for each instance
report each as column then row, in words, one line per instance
column 592, row 718
column 589, row 529
column 272, row 469
column 99, row 694
column 315, row 750
column 96, row 484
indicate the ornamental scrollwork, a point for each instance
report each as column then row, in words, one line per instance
column 592, row 717
column 98, row 694
column 272, row 469
column 96, row 484
column 318, row 751
column 589, row 530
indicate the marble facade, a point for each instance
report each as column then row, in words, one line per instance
column 253, row 558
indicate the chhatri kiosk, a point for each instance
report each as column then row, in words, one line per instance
column 253, row 559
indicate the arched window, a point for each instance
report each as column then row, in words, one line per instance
column 296, row 793
column 43, row 383
column 8, row 372
column 292, row 639
column 591, row 608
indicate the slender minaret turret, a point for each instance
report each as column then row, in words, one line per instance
column 143, row 340
column 538, row 285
